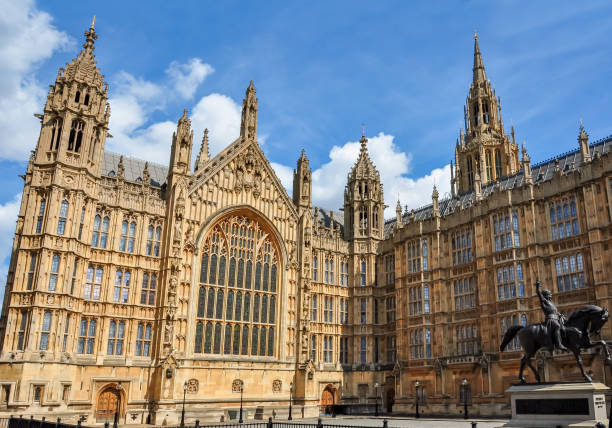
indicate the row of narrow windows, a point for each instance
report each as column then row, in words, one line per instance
column 236, row 339
column 492, row 174
column 75, row 138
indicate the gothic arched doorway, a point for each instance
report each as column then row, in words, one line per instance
column 109, row 402
column 390, row 399
column 328, row 399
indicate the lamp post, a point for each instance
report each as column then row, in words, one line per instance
column 240, row 420
column 376, row 392
column 290, row 400
column 183, row 411
column 116, row 418
column 464, row 387
column 416, row 391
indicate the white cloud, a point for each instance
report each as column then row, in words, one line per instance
column 134, row 101
column 221, row 115
column 8, row 219
column 393, row 165
column 187, row 77
column 28, row 38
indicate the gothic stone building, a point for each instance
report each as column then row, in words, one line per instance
column 132, row 283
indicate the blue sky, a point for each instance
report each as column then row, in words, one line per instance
column 321, row 69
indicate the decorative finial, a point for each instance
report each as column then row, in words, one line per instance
column 475, row 34
column 362, row 129
column 93, row 22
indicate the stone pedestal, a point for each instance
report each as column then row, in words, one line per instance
column 552, row 405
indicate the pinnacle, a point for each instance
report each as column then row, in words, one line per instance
column 478, row 70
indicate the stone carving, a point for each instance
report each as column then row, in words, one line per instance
column 192, row 386
column 237, row 385
column 277, row 385
column 248, row 173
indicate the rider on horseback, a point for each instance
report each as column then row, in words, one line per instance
column 554, row 320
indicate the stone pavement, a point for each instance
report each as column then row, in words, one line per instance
column 407, row 422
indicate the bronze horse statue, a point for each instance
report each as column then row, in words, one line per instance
column 575, row 336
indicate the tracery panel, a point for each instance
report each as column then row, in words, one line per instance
column 239, row 270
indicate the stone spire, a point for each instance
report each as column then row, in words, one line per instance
column 435, row 201
column 583, row 141
column 398, row 214
column 302, row 183
column 248, row 124
column 526, row 161
column 204, row 154
column 182, row 142
column 478, row 70
column 146, row 175
column 120, row 168
column 452, row 179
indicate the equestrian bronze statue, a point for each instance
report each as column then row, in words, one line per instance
column 557, row 332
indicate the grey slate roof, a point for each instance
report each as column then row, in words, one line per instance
column 133, row 168
column 540, row 172
column 324, row 215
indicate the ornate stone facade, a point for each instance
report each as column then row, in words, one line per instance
column 131, row 283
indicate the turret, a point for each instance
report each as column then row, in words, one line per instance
column 434, row 201
column 182, row 143
column 583, row 142
column 363, row 198
column 76, row 114
column 302, row 183
column 528, row 178
column 248, row 123
column 485, row 148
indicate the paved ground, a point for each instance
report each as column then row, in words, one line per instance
column 397, row 422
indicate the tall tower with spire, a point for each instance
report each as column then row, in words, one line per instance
column 485, row 148
column 76, row 114
column 363, row 199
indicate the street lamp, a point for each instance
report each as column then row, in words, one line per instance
column 183, row 411
column 376, row 392
column 416, row 390
column 241, row 390
column 464, row 387
column 116, row 418
column 290, row 400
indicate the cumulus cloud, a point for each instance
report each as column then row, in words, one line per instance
column 8, row 218
column 28, row 38
column 135, row 100
column 187, row 77
column 394, row 166
column 221, row 115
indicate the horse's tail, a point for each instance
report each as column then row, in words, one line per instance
column 509, row 335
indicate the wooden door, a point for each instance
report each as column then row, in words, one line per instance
column 390, row 400
column 327, row 400
column 108, row 403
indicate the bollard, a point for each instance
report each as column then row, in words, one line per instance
column 385, row 423
column 319, row 423
column 270, row 422
column 197, row 423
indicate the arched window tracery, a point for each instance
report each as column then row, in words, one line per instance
column 239, row 271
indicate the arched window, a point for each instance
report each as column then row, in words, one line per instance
column 55, row 262
column 425, row 255
column 86, row 101
column 363, row 273
column 489, row 164
column 208, row 338
column 61, row 222
column 498, row 164
column 238, row 255
column 56, row 134
column 100, row 231
column 76, row 135
column 314, row 268
column 77, row 96
column 198, row 338
column 45, row 330
column 470, row 172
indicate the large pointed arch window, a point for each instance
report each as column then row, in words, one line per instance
column 239, row 273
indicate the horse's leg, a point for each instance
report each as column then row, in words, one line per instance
column 576, row 352
column 523, row 362
column 535, row 372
